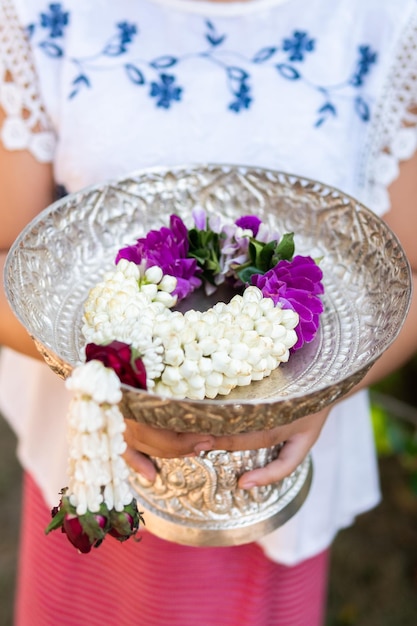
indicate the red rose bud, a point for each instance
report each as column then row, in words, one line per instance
column 125, row 524
column 74, row 531
column 119, row 357
column 83, row 531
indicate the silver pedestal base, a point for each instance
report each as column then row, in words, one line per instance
column 196, row 501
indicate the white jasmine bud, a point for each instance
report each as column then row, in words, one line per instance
column 263, row 327
column 168, row 283
column 149, row 290
column 166, row 299
column 196, row 382
column 154, row 274
column 252, row 294
column 171, row 375
column 193, row 351
column 189, row 368
column 174, row 357
column 220, row 360
column 239, row 351
column 214, row 380
column 290, row 318
column 205, row 365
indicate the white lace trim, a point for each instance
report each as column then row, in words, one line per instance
column 393, row 132
column 26, row 126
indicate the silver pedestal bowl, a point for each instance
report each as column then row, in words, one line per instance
column 62, row 253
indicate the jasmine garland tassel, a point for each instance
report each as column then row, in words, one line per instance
column 135, row 337
column 98, row 500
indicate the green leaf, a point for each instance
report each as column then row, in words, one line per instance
column 255, row 248
column 92, row 528
column 200, row 255
column 56, row 521
column 204, row 247
column 246, row 274
column 213, row 265
column 265, row 256
column 193, row 237
column 285, row 249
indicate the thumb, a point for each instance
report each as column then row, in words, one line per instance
column 140, row 463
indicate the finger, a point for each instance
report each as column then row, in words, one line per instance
column 165, row 443
column 140, row 463
column 290, row 456
column 253, row 440
column 264, row 439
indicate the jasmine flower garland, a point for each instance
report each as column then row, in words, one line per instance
column 98, row 500
column 134, row 336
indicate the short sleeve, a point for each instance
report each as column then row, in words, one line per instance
column 393, row 131
column 26, row 125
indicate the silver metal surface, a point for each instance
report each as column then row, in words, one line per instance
column 64, row 251
column 197, row 502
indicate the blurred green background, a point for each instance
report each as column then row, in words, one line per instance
column 373, row 578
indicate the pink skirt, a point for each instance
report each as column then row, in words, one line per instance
column 158, row 583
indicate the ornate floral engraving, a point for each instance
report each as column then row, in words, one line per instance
column 202, row 494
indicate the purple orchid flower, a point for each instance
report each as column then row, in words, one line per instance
column 199, row 217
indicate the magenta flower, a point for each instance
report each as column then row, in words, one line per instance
column 167, row 248
column 118, row 356
column 249, row 222
column 296, row 285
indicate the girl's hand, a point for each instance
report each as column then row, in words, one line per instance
column 143, row 440
column 298, row 438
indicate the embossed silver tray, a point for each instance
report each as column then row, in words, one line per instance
column 64, row 251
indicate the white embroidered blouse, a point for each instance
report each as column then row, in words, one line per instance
column 324, row 89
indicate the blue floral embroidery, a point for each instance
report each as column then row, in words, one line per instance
column 134, row 74
column 118, row 44
column 298, row 45
column 165, row 91
column 212, row 36
column 286, row 58
column 243, row 99
column 367, row 58
column 80, row 81
column 55, row 20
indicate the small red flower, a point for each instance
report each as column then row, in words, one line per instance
column 76, row 534
column 83, row 531
column 125, row 523
column 89, row 530
column 119, row 357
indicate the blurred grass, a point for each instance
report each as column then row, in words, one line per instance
column 374, row 563
column 10, row 494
